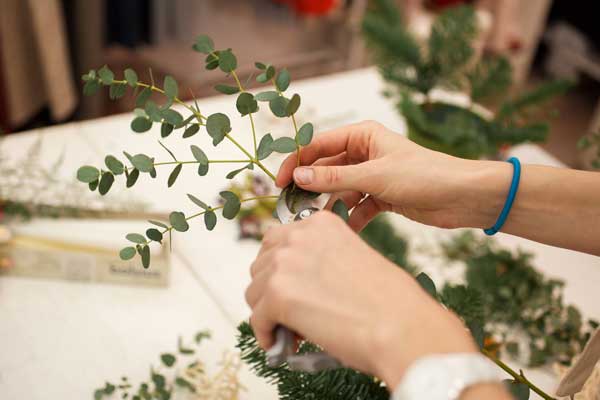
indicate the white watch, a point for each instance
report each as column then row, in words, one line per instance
column 445, row 376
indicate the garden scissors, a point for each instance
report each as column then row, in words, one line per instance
column 295, row 204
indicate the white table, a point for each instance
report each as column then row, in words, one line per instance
column 63, row 339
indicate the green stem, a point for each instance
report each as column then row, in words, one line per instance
column 519, row 377
column 296, row 140
column 196, row 162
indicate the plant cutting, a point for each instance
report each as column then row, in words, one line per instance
column 449, row 61
column 342, row 383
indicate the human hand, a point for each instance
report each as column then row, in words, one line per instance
column 318, row 278
column 394, row 174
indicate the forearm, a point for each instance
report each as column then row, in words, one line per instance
column 556, row 206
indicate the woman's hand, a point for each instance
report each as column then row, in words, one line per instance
column 394, row 174
column 318, row 278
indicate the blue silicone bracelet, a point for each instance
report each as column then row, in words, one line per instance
column 514, row 186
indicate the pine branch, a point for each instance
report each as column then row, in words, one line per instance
column 490, row 77
column 540, row 94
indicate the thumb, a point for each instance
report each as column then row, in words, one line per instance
column 335, row 178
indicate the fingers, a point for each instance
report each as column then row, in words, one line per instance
column 353, row 139
column 364, row 213
column 340, row 159
column 335, row 178
column 263, row 325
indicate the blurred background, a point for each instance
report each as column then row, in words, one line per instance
column 45, row 47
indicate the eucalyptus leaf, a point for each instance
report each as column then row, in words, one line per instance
column 106, row 182
column 114, row 165
column 117, row 90
column 234, row 173
column 172, row 117
column 93, row 185
column 127, row 253
column 260, row 66
column 136, row 238
column 262, row 78
column 266, row 96
column 203, row 169
column 178, row 221
column 152, row 111
column 142, row 162
column 264, row 147
column 246, row 104
column 210, row 220
column 198, row 154
column 141, row 124
column 91, row 88
column 166, row 129
column 154, row 234
column 212, row 61
column 293, row 105
column 278, row 106
column 227, row 61
column 283, row 80
column 158, row 223
column 204, row 44
column 106, row 75
column 87, row 174
column 232, row 204
column 131, row 77
column 143, row 97
column 185, row 122
column 145, row 253
column 174, row 174
column 191, row 131
column 170, row 87
column 226, row 89
column 339, row 208
column 305, row 134
column 198, row 202
column 283, row 145
column 218, row 126
column 427, row 284
column 132, row 177
column 519, row 390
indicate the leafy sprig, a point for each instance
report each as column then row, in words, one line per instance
column 217, row 126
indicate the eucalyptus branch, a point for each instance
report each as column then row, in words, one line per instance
column 296, row 140
column 517, row 376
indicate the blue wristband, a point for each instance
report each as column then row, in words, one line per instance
column 514, row 186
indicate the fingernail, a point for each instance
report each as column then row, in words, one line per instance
column 304, row 176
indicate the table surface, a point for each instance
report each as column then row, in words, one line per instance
column 63, row 339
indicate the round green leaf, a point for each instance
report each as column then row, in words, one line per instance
column 191, row 131
column 158, row 223
column 117, row 90
column 131, row 77
column 93, row 185
column 519, row 390
column 106, row 182
column 141, row 124
column 152, row 111
column 174, row 175
column 198, row 154
column 283, row 145
column 217, row 126
column 172, row 117
column 212, row 61
column 293, row 105
column 204, row 44
column 262, row 78
column 143, row 97
column 197, row 201
column 91, row 88
column 154, row 234
column 177, row 220
column 168, row 359
column 170, row 87
column 227, row 61
column 203, row 169
column 270, row 72
column 132, row 178
column 283, row 80
column 264, row 147
column 278, row 106
column 145, row 253
column 127, row 253
column 339, row 208
column 232, row 204
column 136, row 238
column 266, row 96
column 427, row 284
column 115, row 166
column 210, row 220
column 142, row 162
column 305, row 134
column 166, row 129
column 246, row 104
column 87, row 174
column 225, row 89
column 106, row 75
column 260, row 65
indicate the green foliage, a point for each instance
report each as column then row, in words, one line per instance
column 427, row 284
column 87, row 174
column 339, row 208
column 218, row 126
column 305, row 134
column 232, row 204
column 283, row 145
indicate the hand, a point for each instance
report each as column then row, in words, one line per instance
column 318, row 278
column 394, row 174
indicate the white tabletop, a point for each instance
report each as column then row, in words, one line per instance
column 63, row 339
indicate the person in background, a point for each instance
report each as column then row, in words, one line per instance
column 318, row 277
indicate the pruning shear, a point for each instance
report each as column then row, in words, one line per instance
column 295, row 204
